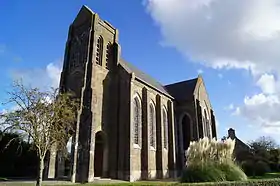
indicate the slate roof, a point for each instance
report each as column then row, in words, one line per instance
column 145, row 78
column 182, row 90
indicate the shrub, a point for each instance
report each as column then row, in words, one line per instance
column 211, row 161
column 232, row 171
column 248, row 167
column 255, row 169
column 270, row 182
column 274, row 167
column 207, row 172
column 261, row 168
column 210, row 150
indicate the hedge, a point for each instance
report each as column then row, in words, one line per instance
column 267, row 182
column 270, row 182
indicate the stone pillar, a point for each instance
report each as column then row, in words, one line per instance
column 86, row 135
column 199, row 119
column 172, row 142
column 159, row 137
column 145, row 145
column 178, row 131
column 213, row 125
column 51, row 172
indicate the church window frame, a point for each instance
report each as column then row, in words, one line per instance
column 108, row 55
column 207, row 124
column 152, row 125
column 165, row 127
column 136, row 120
column 99, row 50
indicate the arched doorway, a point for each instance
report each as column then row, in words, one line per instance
column 99, row 153
column 186, row 131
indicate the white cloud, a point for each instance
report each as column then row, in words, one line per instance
column 262, row 110
column 199, row 71
column 222, row 34
column 229, row 34
column 53, row 72
column 267, row 83
column 44, row 78
column 229, row 107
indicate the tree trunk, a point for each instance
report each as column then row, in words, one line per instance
column 40, row 174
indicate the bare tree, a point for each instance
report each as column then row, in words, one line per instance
column 264, row 143
column 46, row 117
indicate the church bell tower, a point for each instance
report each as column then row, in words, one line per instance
column 90, row 63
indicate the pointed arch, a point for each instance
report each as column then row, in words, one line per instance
column 207, row 124
column 137, row 115
column 152, row 125
column 186, row 124
column 165, row 127
column 99, row 50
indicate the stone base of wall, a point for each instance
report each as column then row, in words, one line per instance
column 123, row 175
column 135, row 176
column 152, row 174
column 90, row 178
column 172, row 174
column 165, row 173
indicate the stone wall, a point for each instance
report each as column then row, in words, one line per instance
column 184, row 108
column 148, row 162
column 124, row 128
column 201, row 95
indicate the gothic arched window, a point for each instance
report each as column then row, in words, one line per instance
column 204, row 126
column 99, row 51
column 165, row 128
column 136, row 120
column 108, row 55
column 152, row 125
column 207, row 125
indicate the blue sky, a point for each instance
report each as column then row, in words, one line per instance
column 171, row 41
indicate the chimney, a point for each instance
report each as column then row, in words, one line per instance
column 231, row 133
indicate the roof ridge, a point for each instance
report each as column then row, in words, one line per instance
column 144, row 77
column 180, row 82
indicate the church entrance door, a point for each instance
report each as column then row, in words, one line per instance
column 99, row 154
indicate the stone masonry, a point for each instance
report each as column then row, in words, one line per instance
column 129, row 126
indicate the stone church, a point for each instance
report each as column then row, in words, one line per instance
column 129, row 126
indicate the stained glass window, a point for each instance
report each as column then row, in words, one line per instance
column 136, row 120
column 152, row 125
column 207, row 125
column 165, row 128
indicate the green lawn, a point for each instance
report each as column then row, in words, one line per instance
column 138, row 183
column 267, row 176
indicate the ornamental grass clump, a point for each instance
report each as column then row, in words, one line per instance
column 211, row 160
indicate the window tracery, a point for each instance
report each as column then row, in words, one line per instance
column 165, row 128
column 136, row 120
column 152, row 123
column 99, row 51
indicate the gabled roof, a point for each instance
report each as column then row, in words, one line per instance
column 182, row 90
column 145, row 78
column 84, row 14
